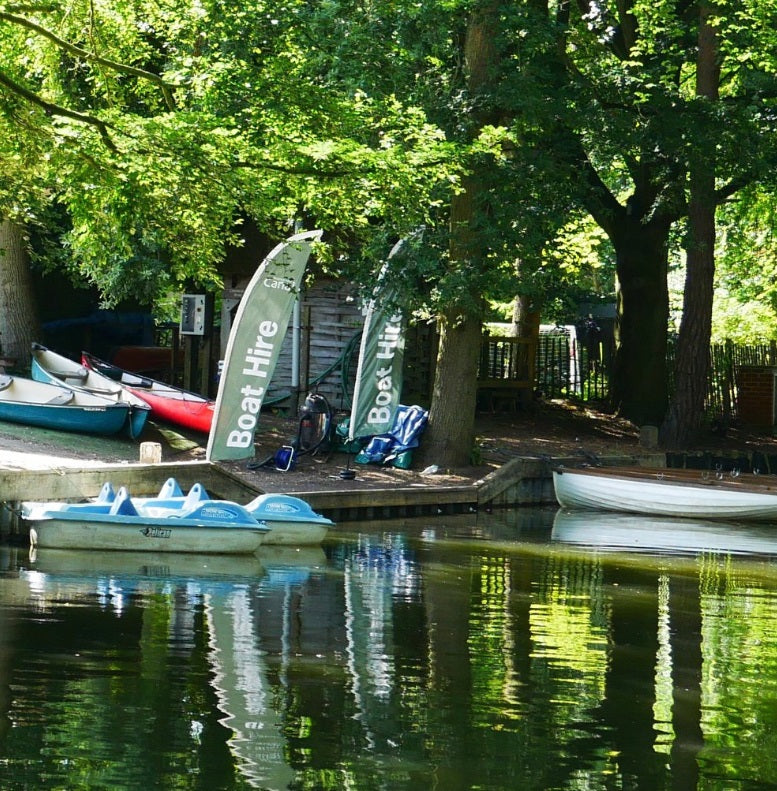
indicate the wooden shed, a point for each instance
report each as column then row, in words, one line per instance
column 322, row 346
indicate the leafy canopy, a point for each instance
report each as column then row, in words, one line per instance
column 151, row 129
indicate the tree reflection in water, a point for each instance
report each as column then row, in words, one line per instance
column 469, row 652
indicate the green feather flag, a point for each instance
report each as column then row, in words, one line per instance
column 254, row 346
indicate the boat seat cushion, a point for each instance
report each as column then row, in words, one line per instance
column 65, row 397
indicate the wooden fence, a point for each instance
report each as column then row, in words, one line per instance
column 575, row 366
column 726, row 361
column 556, row 364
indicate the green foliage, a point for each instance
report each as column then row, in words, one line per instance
column 743, row 323
column 745, row 308
column 156, row 128
column 748, row 247
column 136, row 137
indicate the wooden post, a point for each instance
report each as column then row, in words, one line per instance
column 150, row 453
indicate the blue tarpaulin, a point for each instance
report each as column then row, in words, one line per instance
column 405, row 434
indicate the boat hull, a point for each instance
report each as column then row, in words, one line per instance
column 82, row 420
column 136, row 535
column 52, row 406
column 291, row 520
column 168, row 403
column 294, row 534
column 188, row 412
column 52, row 368
column 666, row 492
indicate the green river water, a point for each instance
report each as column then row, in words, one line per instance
column 518, row 650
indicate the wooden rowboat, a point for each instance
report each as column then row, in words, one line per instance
column 167, row 402
column 49, row 366
column 46, row 405
column 668, row 492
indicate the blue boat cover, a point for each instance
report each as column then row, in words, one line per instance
column 405, row 434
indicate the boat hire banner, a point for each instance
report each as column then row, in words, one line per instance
column 379, row 369
column 254, row 345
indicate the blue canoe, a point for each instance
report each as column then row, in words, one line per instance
column 49, row 366
column 46, row 405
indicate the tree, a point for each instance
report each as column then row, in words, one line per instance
column 608, row 90
column 450, row 435
column 18, row 328
column 156, row 130
column 153, row 131
column 693, row 345
column 456, row 61
column 620, row 115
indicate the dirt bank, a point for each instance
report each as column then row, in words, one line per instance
column 549, row 430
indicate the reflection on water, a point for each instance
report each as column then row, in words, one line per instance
column 524, row 649
column 612, row 531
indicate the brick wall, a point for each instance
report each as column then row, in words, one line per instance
column 755, row 397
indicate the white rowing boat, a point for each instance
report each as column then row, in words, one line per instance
column 668, row 492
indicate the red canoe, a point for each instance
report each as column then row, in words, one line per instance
column 168, row 403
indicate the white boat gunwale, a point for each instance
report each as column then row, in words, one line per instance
column 679, row 477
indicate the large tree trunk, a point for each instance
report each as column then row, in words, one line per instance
column 683, row 419
column 639, row 232
column 692, row 360
column 449, row 437
column 19, row 325
column 639, row 386
column 526, row 325
column 523, row 313
column 450, row 434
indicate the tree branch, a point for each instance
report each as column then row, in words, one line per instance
column 727, row 190
column 122, row 68
column 54, row 109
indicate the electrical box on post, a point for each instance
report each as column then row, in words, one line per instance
column 193, row 314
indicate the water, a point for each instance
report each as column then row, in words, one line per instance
column 523, row 650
